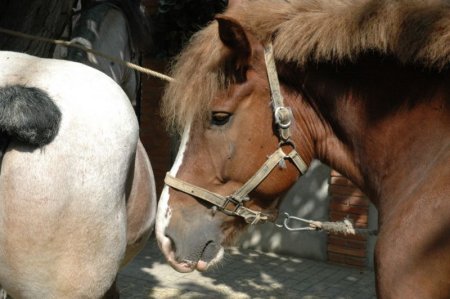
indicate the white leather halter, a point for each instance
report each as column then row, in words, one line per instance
column 283, row 119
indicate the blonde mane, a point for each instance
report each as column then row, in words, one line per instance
column 413, row 31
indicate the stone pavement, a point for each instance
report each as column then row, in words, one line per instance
column 244, row 274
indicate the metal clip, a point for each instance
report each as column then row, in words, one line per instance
column 286, row 225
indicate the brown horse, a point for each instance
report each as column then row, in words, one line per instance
column 368, row 86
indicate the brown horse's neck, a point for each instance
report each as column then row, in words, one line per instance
column 374, row 122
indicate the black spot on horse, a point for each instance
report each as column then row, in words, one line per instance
column 28, row 114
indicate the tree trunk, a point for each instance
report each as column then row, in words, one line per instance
column 41, row 18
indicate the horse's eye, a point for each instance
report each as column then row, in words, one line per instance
column 220, row 118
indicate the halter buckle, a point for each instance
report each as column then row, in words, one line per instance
column 283, row 117
column 228, row 200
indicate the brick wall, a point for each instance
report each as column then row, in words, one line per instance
column 347, row 201
column 152, row 130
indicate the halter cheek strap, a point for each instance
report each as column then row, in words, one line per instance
column 282, row 114
column 283, row 118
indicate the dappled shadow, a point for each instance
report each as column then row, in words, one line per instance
column 309, row 199
column 244, row 274
column 250, row 272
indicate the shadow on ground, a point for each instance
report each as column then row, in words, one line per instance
column 244, row 274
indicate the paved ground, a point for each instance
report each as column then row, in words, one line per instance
column 244, row 274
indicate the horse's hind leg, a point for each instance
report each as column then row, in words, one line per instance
column 112, row 293
column 141, row 210
column 3, row 294
column 141, row 205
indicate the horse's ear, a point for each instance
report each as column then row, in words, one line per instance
column 233, row 35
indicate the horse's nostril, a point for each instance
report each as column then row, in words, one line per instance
column 173, row 246
column 210, row 251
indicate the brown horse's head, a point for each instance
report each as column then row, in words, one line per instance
column 222, row 102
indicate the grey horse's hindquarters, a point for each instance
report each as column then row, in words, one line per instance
column 28, row 114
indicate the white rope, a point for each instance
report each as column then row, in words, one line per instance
column 345, row 226
column 78, row 46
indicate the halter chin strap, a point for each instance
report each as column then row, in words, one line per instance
column 283, row 117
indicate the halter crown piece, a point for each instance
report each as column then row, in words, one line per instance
column 283, row 120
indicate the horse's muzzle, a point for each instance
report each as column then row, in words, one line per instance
column 210, row 254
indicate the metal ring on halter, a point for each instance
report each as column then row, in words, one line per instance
column 228, row 200
column 278, row 119
column 287, row 142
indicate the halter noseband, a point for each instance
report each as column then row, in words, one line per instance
column 283, row 118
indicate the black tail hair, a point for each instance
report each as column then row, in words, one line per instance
column 28, row 114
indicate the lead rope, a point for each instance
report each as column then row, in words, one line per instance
column 83, row 48
column 345, row 226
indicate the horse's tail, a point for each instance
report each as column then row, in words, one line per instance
column 28, row 114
